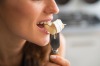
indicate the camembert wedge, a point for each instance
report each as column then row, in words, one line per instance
column 54, row 27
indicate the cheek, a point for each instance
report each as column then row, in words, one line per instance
column 28, row 9
column 20, row 17
column 23, row 17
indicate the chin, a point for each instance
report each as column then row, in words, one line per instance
column 43, row 43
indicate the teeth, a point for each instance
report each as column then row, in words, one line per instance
column 41, row 22
column 49, row 23
column 46, row 23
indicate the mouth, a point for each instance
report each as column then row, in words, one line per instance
column 42, row 24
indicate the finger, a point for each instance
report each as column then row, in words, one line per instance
column 59, row 60
column 51, row 64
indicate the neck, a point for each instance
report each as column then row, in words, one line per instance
column 10, row 48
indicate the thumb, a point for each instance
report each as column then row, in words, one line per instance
column 59, row 60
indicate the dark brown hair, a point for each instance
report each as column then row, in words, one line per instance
column 34, row 55
column 1, row 1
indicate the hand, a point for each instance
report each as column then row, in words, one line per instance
column 57, row 61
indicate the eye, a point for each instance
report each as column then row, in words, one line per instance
column 62, row 2
column 91, row 1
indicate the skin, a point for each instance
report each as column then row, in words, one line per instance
column 18, row 23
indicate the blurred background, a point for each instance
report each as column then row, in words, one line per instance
column 82, row 32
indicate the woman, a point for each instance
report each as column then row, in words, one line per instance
column 23, row 40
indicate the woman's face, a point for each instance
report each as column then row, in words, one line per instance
column 22, row 16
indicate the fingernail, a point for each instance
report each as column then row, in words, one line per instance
column 53, row 57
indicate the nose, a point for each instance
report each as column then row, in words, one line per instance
column 51, row 7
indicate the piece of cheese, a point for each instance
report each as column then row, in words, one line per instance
column 54, row 27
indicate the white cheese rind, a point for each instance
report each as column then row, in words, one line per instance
column 59, row 25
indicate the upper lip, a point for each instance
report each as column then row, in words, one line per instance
column 46, row 20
